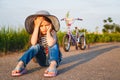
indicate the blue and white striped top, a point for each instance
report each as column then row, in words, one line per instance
column 43, row 41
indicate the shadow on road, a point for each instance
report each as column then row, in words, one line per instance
column 82, row 58
column 33, row 70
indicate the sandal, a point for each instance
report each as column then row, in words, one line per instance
column 19, row 71
column 50, row 73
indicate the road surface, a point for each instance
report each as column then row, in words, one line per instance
column 100, row 62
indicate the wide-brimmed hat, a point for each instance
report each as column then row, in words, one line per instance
column 29, row 21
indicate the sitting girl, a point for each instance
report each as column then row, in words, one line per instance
column 43, row 27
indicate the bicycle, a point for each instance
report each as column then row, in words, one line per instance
column 77, row 40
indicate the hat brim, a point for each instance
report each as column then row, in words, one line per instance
column 29, row 22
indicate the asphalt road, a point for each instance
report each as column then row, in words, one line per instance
column 100, row 62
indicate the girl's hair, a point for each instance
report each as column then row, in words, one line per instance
column 47, row 19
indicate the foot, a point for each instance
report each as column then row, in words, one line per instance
column 50, row 72
column 19, row 70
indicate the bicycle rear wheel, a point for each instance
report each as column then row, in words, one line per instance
column 66, row 43
column 82, row 43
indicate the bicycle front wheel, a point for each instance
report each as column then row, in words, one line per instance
column 66, row 43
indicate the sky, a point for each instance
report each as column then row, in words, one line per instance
column 93, row 12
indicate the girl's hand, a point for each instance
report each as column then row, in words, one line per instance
column 49, row 28
column 38, row 21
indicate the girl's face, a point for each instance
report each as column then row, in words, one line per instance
column 44, row 27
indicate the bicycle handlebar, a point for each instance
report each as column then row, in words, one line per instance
column 62, row 19
column 79, row 19
column 73, row 19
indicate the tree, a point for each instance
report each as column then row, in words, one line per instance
column 108, row 27
column 110, row 20
column 117, row 28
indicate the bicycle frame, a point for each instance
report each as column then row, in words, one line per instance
column 69, row 22
column 71, row 37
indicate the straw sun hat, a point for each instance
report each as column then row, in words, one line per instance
column 29, row 21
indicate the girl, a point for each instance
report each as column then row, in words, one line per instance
column 44, row 44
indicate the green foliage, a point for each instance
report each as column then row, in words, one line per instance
column 94, row 38
column 16, row 40
column 60, row 37
column 12, row 40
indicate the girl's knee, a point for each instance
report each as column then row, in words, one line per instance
column 35, row 47
column 54, row 47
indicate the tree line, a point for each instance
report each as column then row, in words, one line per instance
column 110, row 27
